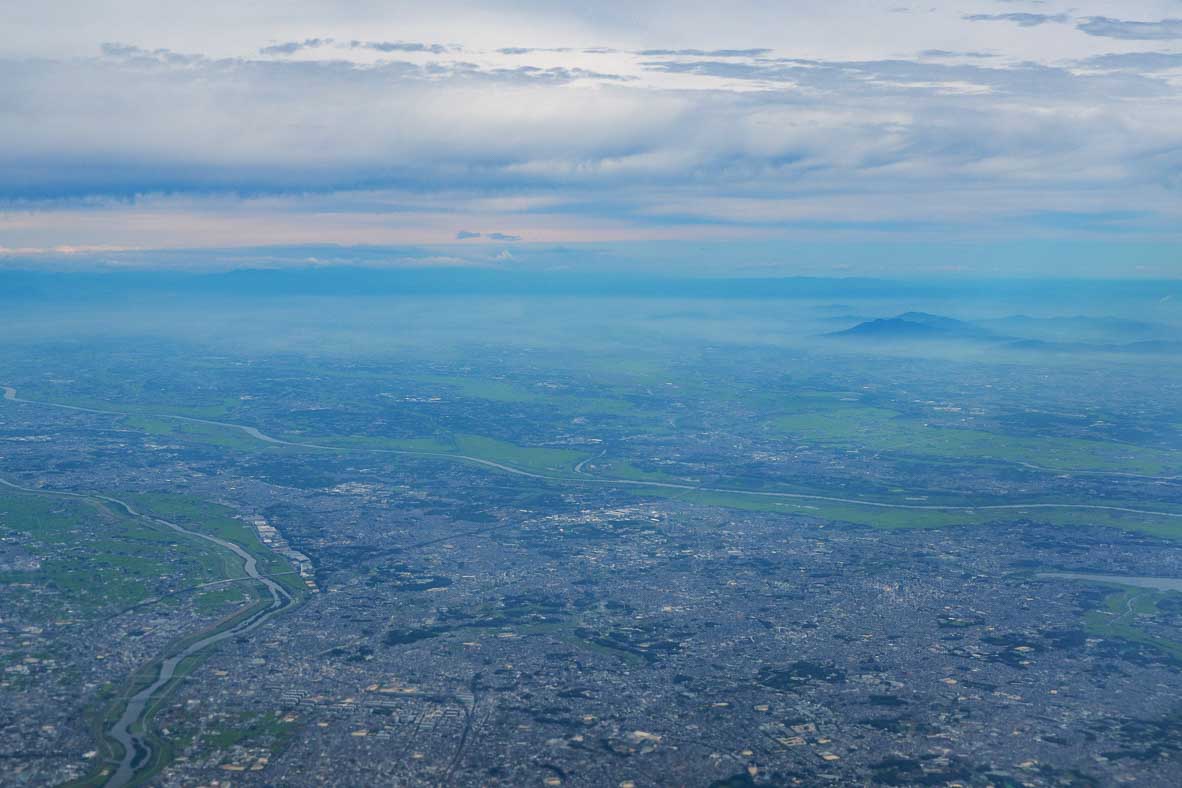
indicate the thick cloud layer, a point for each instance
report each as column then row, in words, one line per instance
column 415, row 133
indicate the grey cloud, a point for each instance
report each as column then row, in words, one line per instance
column 291, row 47
column 836, row 133
column 112, row 49
column 299, row 126
column 530, row 50
column 502, row 237
column 1020, row 19
column 913, row 78
column 464, row 235
column 535, row 74
column 417, row 132
column 1107, row 27
column 555, row 74
column 704, row 52
column 399, row 46
column 134, row 53
column 941, row 53
column 1138, row 62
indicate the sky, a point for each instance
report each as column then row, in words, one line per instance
column 521, row 132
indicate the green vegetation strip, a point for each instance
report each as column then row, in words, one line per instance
column 832, row 418
column 97, row 559
column 882, row 430
column 1118, row 619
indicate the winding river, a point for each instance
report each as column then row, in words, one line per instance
column 136, row 748
column 582, row 478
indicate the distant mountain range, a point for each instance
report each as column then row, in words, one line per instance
column 916, row 325
column 1021, row 332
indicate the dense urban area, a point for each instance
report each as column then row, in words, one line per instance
column 596, row 542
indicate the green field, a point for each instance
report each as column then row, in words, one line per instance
column 196, row 432
column 265, row 728
column 1118, row 619
column 501, row 391
column 217, row 410
column 528, row 458
column 619, row 469
column 882, row 430
column 833, row 421
column 537, row 459
column 95, row 558
column 888, row 518
column 481, row 388
column 215, row 520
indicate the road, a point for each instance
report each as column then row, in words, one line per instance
column 136, row 749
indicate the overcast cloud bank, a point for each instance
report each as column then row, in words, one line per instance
column 396, row 139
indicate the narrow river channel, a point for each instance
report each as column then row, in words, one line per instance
column 130, row 730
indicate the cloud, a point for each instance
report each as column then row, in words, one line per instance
column 153, row 122
column 291, row 47
column 553, row 74
column 399, row 46
column 560, row 143
column 62, row 250
column 1107, row 27
column 704, row 52
column 530, row 50
column 944, row 53
column 125, row 52
column 1020, row 19
column 1137, row 62
column 918, row 78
